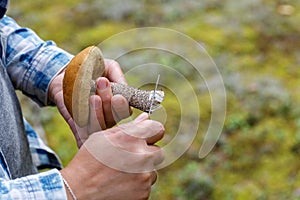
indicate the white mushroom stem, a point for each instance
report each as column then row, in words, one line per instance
column 78, row 85
column 140, row 99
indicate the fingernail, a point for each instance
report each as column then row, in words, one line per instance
column 102, row 83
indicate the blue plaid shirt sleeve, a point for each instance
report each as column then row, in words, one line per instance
column 42, row 186
column 42, row 156
column 31, row 62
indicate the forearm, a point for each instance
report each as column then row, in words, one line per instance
column 31, row 62
column 42, row 186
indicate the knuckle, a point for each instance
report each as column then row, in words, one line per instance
column 145, row 177
column 106, row 98
column 154, row 125
column 160, row 156
column 149, row 156
column 114, row 63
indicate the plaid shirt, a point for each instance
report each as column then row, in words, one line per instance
column 31, row 64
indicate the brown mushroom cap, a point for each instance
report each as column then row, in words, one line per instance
column 83, row 68
column 87, row 66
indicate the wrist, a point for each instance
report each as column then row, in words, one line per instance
column 69, row 192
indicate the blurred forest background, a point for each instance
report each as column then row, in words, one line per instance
column 256, row 46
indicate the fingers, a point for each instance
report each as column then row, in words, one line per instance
column 95, row 123
column 129, row 145
column 115, row 108
column 105, row 93
column 96, row 115
column 113, row 71
column 145, row 133
column 143, row 128
column 157, row 154
column 120, row 108
column 141, row 117
column 117, row 152
column 82, row 135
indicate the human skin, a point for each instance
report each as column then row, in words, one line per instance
column 89, row 178
column 108, row 109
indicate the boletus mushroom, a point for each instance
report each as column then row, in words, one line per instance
column 79, row 84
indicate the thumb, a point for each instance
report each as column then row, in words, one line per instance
column 142, row 117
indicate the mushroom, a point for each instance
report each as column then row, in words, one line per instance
column 79, row 84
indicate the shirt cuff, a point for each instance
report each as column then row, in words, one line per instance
column 43, row 186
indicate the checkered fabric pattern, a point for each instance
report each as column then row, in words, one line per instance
column 31, row 64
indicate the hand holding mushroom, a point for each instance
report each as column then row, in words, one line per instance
column 106, row 106
column 110, row 104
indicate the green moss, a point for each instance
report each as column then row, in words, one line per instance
column 257, row 155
